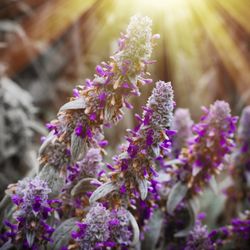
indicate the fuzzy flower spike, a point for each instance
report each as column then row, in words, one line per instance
column 103, row 228
column 34, row 207
column 100, row 102
column 147, row 144
column 205, row 154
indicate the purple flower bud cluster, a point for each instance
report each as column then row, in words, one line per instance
column 237, row 234
column 212, row 141
column 147, row 144
column 198, row 238
column 33, row 208
column 103, row 228
column 182, row 124
column 101, row 100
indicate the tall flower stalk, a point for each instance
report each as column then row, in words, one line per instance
column 204, row 157
column 146, row 147
column 79, row 122
column 30, row 228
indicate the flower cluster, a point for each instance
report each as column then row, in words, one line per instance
column 198, row 238
column 100, row 101
column 147, row 145
column 103, row 228
column 33, row 209
column 212, row 141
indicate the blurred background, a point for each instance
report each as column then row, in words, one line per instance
column 49, row 46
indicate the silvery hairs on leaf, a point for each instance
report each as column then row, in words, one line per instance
column 54, row 181
column 143, row 188
column 176, row 195
column 152, row 235
column 102, row 191
column 135, row 227
column 83, row 185
column 62, row 234
column 75, row 104
column 192, row 207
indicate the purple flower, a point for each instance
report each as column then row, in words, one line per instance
column 237, row 234
column 213, row 139
column 119, row 227
column 101, row 100
column 94, row 229
column 148, row 142
column 198, row 239
column 103, row 227
column 33, row 209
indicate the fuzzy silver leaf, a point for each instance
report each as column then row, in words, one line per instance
column 54, row 181
column 176, row 195
column 213, row 185
column 7, row 245
column 192, row 210
column 62, row 235
column 153, row 233
column 83, row 185
column 135, row 227
column 47, row 141
column 143, row 188
column 78, row 103
column 102, row 191
column 77, row 146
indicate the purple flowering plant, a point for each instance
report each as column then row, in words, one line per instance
column 147, row 196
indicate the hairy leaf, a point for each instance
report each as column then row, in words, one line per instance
column 78, row 103
column 62, row 234
column 51, row 176
column 192, row 206
column 47, row 141
column 176, row 195
column 77, row 146
column 135, row 227
column 83, row 185
column 143, row 188
column 102, row 191
column 152, row 235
